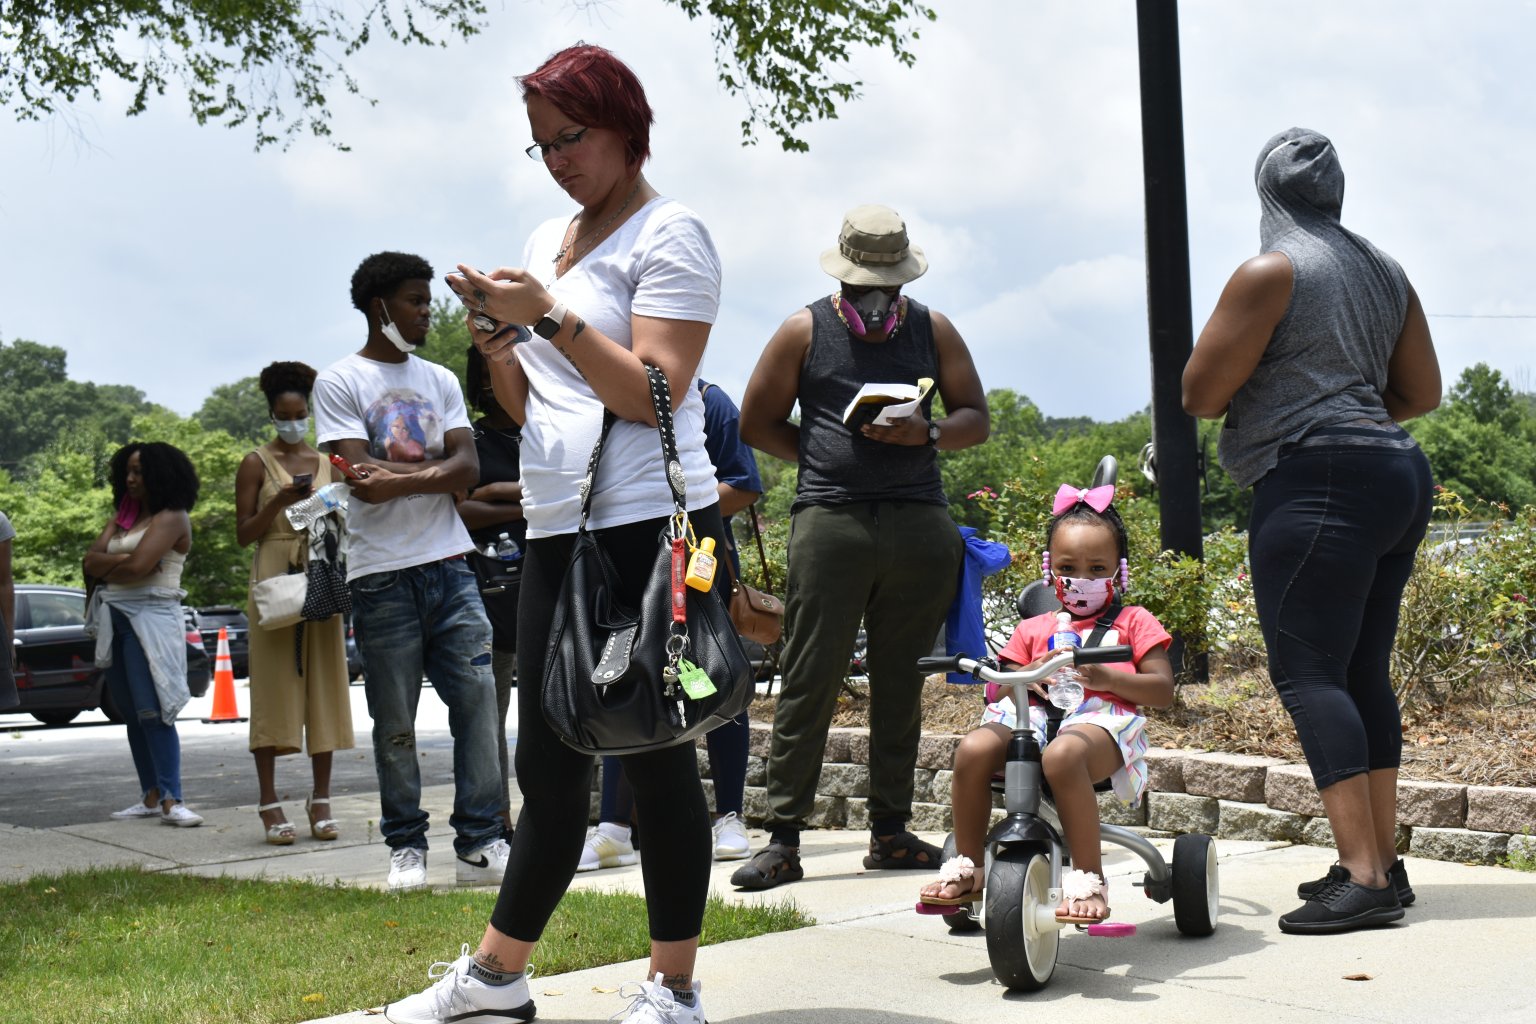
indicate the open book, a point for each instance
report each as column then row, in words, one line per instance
column 884, row 404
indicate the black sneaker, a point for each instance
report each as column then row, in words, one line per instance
column 1343, row 906
column 1397, row 872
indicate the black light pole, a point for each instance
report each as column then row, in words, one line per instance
column 1170, row 327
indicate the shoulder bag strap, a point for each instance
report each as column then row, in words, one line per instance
column 762, row 556
column 661, row 401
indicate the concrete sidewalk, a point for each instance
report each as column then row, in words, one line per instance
column 1464, row 952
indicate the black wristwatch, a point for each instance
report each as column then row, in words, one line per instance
column 550, row 323
column 933, row 434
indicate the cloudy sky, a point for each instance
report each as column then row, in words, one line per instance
column 174, row 258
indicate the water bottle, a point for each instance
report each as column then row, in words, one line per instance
column 1066, row 686
column 507, row 549
column 331, row 496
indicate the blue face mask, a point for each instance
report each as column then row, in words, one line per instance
column 292, row 431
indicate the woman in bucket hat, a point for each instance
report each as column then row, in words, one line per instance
column 871, row 539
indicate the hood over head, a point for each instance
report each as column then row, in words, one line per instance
column 1300, row 183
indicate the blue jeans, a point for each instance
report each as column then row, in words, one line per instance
column 429, row 619
column 155, row 746
column 1331, row 542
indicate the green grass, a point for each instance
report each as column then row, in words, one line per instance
column 1519, row 859
column 131, row 946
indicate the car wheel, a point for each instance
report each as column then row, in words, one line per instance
column 55, row 717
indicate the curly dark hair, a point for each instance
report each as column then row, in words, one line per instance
column 284, row 378
column 1082, row 513
column 170, row 480
column 380, row 274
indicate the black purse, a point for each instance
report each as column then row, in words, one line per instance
column 620, row 679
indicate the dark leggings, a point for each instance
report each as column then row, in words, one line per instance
column 556, row 781
column 727, row 767
column 1331, row 542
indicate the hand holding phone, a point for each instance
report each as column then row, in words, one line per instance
column 303, row 479
column 346, row 468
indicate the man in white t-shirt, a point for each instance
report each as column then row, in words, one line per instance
column 400, row 421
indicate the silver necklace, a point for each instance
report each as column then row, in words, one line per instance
column 594, row 233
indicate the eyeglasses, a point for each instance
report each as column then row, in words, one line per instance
column 541, row 150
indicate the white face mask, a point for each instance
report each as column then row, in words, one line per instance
column 292, row 431
column 1083, row 598
column 392, row 332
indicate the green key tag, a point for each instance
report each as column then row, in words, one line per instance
column 695, row 680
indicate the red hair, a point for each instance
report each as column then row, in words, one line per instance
column 597, row 90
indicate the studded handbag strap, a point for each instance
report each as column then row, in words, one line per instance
column 661, row 401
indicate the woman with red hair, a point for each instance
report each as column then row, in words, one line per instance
column 631, row 279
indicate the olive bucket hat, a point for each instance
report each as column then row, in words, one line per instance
column 873, row 250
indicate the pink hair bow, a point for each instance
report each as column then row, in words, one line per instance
column 1096, row 498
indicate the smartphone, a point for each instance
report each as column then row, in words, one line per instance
column 346, row 468
column 304, row 479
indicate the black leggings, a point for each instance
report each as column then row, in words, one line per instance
column 1331, row 542
column 556, row 781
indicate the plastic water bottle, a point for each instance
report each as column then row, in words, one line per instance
column 331, row 496
column 507, row 549
column 1066, row 686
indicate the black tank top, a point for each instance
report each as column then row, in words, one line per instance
column 838, row 465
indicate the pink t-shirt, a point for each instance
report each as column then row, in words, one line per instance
column 1134, row 626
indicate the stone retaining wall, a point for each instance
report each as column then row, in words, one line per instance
column 1230, row 796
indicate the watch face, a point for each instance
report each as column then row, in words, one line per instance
column 546, row 328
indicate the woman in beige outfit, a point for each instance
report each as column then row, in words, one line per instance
column 298, row 689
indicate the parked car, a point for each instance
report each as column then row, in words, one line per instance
column 56, row 673
column 207, row 622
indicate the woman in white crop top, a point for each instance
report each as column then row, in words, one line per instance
column 141, row 637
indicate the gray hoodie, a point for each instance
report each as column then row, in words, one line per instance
column 1326, row 362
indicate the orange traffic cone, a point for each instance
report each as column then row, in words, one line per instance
column 224, row 707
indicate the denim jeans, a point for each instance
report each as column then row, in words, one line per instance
column 155, row 746
column 1331, row 542
column 429, row 619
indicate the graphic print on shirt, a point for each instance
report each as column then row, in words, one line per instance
column 403, row 426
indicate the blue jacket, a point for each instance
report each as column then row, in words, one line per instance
column 965, row 629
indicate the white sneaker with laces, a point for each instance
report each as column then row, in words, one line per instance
column 605, row 851
column 457, row 997
column 731, row 841
column 181, row 816
column 484, row 865
column 407, row 869
column 651, row 1002
column 137, row 811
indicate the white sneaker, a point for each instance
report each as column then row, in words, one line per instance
column 181, row 816
column 651, row 1002
column 605, row 851
column 407, row 869
column 137, row 811
column 484, row 865
column 731, row 841
column 456, row 996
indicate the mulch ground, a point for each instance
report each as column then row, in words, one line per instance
column 1473, row 744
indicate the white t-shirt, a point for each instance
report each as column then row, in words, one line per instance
column 402, row 410
column 660, row 263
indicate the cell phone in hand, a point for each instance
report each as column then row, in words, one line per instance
column 303, row 479
column 346, row 468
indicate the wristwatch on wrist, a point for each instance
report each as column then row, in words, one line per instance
column 550, row 323
column 933, row 434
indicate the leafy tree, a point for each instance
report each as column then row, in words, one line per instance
column 447, row 342
column 39, row 403
column 1482, row 442
column 270, row 64
column 238, row 409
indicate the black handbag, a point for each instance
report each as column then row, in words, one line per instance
column 615, row 681
column 498, row 582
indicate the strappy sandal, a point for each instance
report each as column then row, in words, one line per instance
column 281, row 834
column 959, row 872
column 1077, row 886
column 902, row 850
column 323, row 828
column 773, row 865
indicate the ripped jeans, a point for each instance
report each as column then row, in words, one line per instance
column 428, row 619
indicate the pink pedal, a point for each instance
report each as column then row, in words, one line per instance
column 1113, row 929
column 936, row 911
